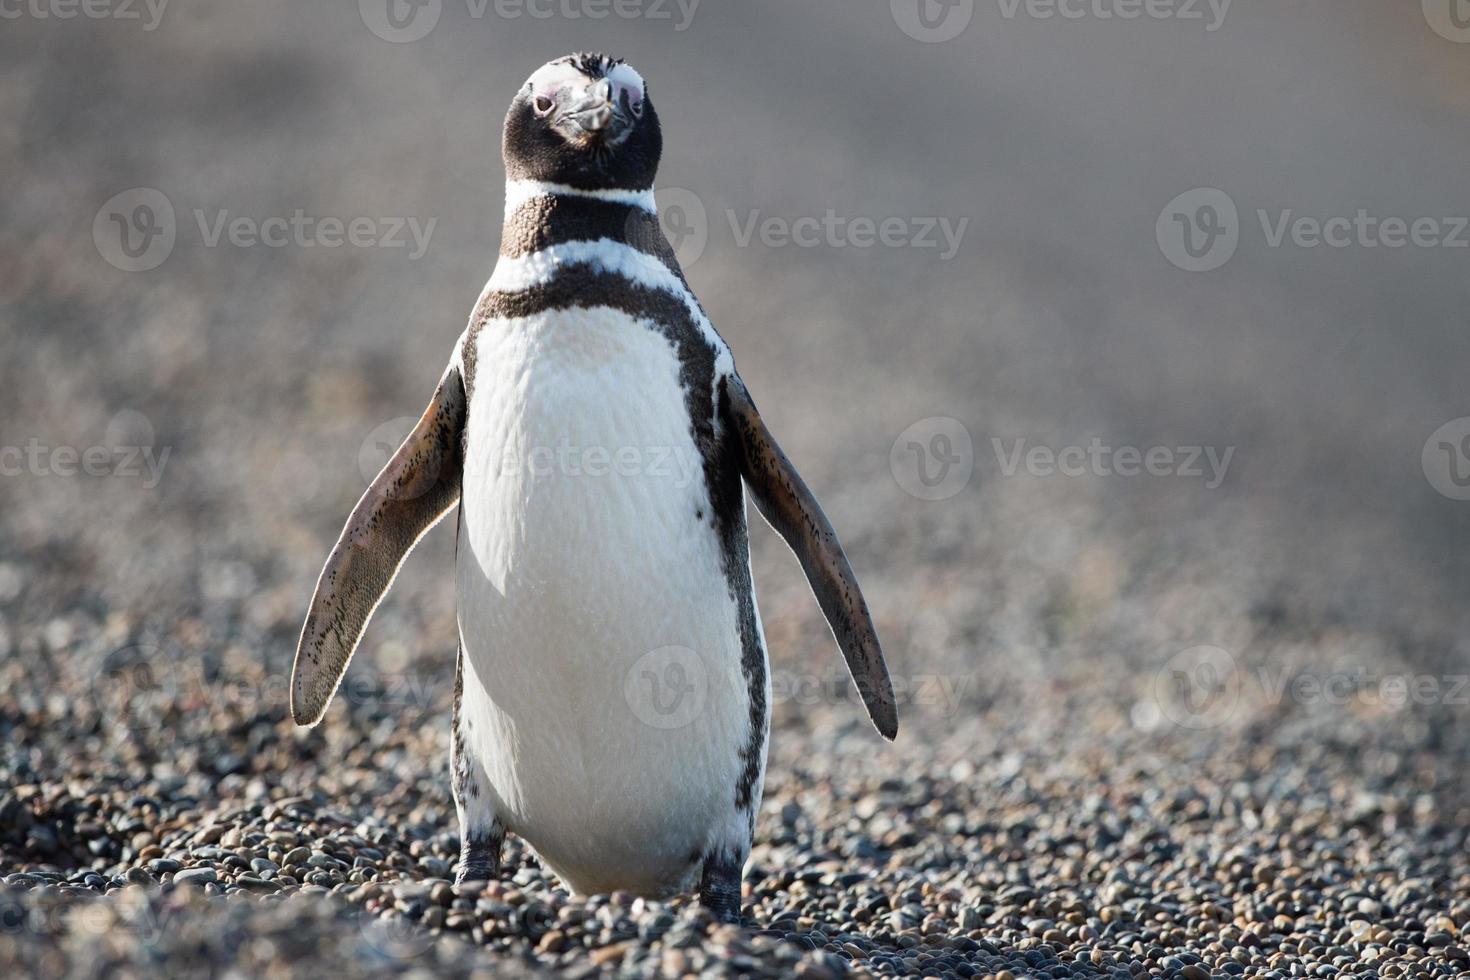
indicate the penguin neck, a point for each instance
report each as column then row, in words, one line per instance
column 540, row 215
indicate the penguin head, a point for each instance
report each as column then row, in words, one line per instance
column 584, row 120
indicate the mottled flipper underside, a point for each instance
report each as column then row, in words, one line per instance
column 417, row 487
column 789, row 507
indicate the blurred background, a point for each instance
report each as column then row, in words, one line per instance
column 1328, row 380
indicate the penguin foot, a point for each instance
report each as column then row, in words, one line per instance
column 473, row 871
column 479, row 858
column 719, row 888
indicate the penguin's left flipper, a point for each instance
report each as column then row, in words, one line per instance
column 789, row 507
column 416, row 488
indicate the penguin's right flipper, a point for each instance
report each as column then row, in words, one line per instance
column 416, row 488
column 790, row 508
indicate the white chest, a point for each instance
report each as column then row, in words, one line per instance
column 602, row 655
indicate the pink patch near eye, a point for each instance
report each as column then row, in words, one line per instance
column 627, row 81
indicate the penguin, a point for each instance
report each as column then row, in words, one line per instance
column 612, row 687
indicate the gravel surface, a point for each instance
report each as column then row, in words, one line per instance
column 189, row 828
column 1147, row 728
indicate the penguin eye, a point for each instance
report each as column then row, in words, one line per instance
column 542, row 104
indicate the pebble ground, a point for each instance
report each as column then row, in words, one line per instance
column 173, row 822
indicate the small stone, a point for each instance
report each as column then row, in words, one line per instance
column 257, row 885
column 195, row 876
column 608, row 955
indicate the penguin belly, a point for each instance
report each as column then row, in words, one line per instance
column 603, row 691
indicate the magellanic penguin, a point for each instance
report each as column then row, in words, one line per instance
column 612, row 689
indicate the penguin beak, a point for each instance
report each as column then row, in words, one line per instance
column 595, row 115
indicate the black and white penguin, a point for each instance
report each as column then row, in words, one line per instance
column 612, row 688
